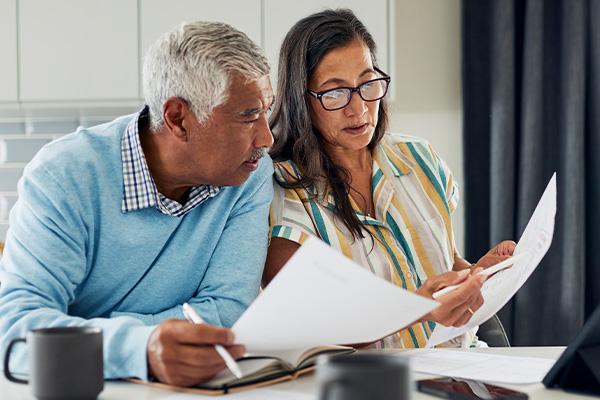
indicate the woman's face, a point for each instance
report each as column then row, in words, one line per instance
column 352, row 127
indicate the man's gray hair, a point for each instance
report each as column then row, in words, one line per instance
column 194, row 62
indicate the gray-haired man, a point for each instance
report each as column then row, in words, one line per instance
column 120, row 224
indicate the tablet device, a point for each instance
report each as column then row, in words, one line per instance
column 578, row 368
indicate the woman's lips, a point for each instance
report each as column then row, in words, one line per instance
column 357, row 130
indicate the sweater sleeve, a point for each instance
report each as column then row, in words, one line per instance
column 45, row 261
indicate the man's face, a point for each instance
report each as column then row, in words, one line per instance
column 224, row 150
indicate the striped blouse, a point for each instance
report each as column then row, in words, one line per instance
column 414, row 196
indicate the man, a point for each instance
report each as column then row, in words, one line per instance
column 120, row 224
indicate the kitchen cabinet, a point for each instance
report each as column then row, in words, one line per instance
column 8, row 50
column 281, row 15
column 84, row 53
column 157, row 16
column 74, row 50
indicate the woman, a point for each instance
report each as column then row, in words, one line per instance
column 383, row 200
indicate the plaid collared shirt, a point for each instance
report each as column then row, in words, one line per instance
column 139, row 189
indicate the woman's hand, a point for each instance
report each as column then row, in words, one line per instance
column 498, row 253
column 458, row 306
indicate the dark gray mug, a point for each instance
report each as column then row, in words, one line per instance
column 64, row 363
column 364, row 376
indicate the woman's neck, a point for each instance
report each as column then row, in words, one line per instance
column 352, row 160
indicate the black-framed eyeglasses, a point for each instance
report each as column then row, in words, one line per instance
column 340, row 97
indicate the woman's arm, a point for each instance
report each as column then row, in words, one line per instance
column 280, row 250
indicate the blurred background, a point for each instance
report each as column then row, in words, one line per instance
column 504, row 90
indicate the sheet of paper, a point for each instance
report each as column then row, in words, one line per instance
column 320, row 297
column 492, row 368
column 501, row 287
column 261, row 393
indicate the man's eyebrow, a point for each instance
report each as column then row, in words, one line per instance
column 250, row 111
column 342, row 82
column 257, row 110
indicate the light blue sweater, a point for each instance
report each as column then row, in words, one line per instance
column 73, row 258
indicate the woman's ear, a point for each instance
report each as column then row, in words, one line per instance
column 174, row 112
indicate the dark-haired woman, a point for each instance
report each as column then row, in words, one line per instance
column 383, row 200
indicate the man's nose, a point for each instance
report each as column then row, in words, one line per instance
column 264, row 137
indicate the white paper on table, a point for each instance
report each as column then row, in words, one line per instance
column 484, row 367
column 259, row 393
column 321, row 297
column 501, row 287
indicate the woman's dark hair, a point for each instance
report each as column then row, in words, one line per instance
column 305, row 45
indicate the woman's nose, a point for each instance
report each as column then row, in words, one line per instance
column 357, row 105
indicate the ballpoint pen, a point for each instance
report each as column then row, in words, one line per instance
column 192, row 316
column 487, row 272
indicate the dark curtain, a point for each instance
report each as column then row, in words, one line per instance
column 531, row 87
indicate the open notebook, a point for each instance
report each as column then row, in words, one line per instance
column 263, row 370
column 319, row 298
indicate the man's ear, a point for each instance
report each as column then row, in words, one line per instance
column 175, row 111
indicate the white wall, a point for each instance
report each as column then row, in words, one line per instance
column 427, row 81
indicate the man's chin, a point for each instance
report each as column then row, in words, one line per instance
column 237, row 180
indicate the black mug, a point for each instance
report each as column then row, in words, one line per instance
column 64, row 363
column 364, row 376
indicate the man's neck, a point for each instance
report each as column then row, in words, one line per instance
column 154, row 145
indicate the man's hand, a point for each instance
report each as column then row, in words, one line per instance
column 182, row 354
column 457, row 306
column 498, row 253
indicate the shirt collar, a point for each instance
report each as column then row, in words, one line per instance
column 139, row 189
column 388, row 155
column 387, row 158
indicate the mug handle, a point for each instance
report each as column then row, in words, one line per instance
column 327, row 386
column 7, row 373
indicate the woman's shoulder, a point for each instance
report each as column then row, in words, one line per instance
column 286, row 171
column 407, row 145
column 393, row 138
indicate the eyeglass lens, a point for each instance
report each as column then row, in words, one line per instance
column 369, row 91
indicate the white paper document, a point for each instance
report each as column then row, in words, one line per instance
column 502, row 286
column 255, row 394
column 484, row 367
column 321, row 297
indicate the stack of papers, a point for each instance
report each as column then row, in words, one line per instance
column 502, row 286
column 484, row 367
column 261, row 393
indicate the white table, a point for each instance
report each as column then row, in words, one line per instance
column 305, row 385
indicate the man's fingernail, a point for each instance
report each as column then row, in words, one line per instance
column 463, row 272
column 230, row 337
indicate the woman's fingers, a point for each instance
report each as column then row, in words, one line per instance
column 457, row 303
column 490, row 260
column 506, row 247
column 469, row 311
column 438, row 282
